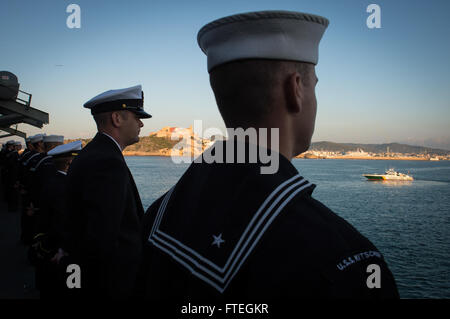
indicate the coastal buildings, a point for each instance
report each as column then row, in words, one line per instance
column 188, row 143
column 178, row 141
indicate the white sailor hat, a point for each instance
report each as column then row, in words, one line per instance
column 37, row 138
column 69, row 149
column 131, row 99
column 53, row 139
column 278, row 35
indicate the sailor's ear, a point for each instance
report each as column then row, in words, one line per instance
column 294, row 91
column 116, row 119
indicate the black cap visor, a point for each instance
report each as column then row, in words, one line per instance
column 141, row 113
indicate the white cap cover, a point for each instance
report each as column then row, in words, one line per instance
column 278, row 35
column 131, row 99
column 68, row 149
column 37, row 138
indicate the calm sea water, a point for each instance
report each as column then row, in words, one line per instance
column 409, row 222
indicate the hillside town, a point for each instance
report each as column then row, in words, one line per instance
column 361, row 154
column 184, row 142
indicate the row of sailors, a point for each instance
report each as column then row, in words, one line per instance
column 34, row 181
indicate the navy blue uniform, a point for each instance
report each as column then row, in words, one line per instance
column 225, row 231
column 104, row 219
column 51, row 229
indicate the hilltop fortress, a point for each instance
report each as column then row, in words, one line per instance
column 173, row 141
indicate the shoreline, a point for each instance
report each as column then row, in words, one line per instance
column 374, row 158
column 157, row 154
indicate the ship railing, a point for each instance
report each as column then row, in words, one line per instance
column 27, row 98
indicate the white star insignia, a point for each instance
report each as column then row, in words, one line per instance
column 218, row 240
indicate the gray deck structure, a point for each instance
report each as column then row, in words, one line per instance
column 18, row 111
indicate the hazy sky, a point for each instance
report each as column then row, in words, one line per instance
column 375, row 85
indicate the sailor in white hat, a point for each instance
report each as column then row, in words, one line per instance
column 10, row 144
column 50, row 223
column 37, row 138
column 105, row 209
column 227, row 232
column 42, row 167
column 37, row 142
column 48, row 142
column 18, row 145
column 38, row 167
column 27, row 151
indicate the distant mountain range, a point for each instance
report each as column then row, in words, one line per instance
column 376, row 148
column 155, row 145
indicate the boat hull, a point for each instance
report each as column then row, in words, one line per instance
column 375, row 177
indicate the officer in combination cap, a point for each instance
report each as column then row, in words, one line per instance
column 226, row 231
column 105, row 209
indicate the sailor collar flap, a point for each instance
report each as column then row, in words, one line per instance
column 213, row 245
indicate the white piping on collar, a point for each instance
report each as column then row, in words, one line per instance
column 34, row 155
column 33, row 169
column 203, row 268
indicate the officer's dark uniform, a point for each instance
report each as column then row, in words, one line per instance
column 105, row 214
column 105, row 209
column 226, row 232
